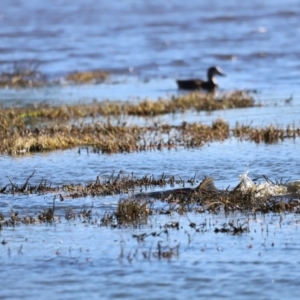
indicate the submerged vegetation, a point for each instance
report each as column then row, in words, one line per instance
column 84, row 77
column 132, row 212
column 46, row 128
column 98, row 127
column 135, row 208
column 18, row 137
column 27, row 76
column 145, row 108
column 22, row 76
column 106, row 138
column 153, row 226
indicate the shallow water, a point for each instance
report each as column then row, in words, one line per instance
column 87, row 260
column 81, row 257
column 147, row 46
column 224, row 161
column 256, row 44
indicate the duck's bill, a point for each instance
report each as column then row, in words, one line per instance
column 220, row 72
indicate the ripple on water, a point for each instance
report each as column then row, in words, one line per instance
column 77, row 259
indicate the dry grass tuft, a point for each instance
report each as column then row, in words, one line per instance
column 146, row 108
column 45, row 128
column 106, row 138
column 192, row 101
column 85, row 77
column 22, row 132
column 28, row 76
column 22, row 76
column 132, row 212
column 269, row 134
column 265, row 197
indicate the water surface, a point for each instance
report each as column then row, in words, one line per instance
column 146, row 46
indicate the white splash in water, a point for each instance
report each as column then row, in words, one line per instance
column 260, row 190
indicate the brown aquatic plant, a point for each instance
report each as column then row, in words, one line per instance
column 45, row 128
column 233, row 228
column 26, row 75
column 166, row 252
column 26, row 187
column 84, row 77
column 105, row 138
column 132, row 212
column 197, row 101
column 203, row 198
column 269, row 134
column 23, row 76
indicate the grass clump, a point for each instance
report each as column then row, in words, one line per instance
column 27, row 76
column 19, row 138
column 45, row 128
column 145, row 108
column 132, row 212
column 119, row 184
column 192, row 101
column 247, row 197
column 22, row 76
column 269, row 134
column 85, row 77
column 209, row 102
column 106, row 138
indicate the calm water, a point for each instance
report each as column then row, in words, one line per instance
column 255, row 43
column 147, row 46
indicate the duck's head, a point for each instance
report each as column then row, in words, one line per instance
column 212, row 71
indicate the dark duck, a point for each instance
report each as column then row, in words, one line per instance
column 195, row 84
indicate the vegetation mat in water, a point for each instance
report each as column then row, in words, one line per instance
column 135, row 208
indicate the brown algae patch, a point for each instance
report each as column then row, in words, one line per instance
column 22, row 76
column 138, row 209
column 46, row 128
column 263, row 197
column 132, row 212
column 85, row 77
column 19, row 138
column 269, row 134
column 207, row 102
column 145, row 108
column 119, row 184
column 192, row 101
column 27, row 76
column 27, row 188
column 107, row 138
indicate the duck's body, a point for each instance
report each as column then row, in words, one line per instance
column 195, row 84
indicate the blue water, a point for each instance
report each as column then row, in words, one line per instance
column 256, row 43
column 75, row 260
column 146, row 46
